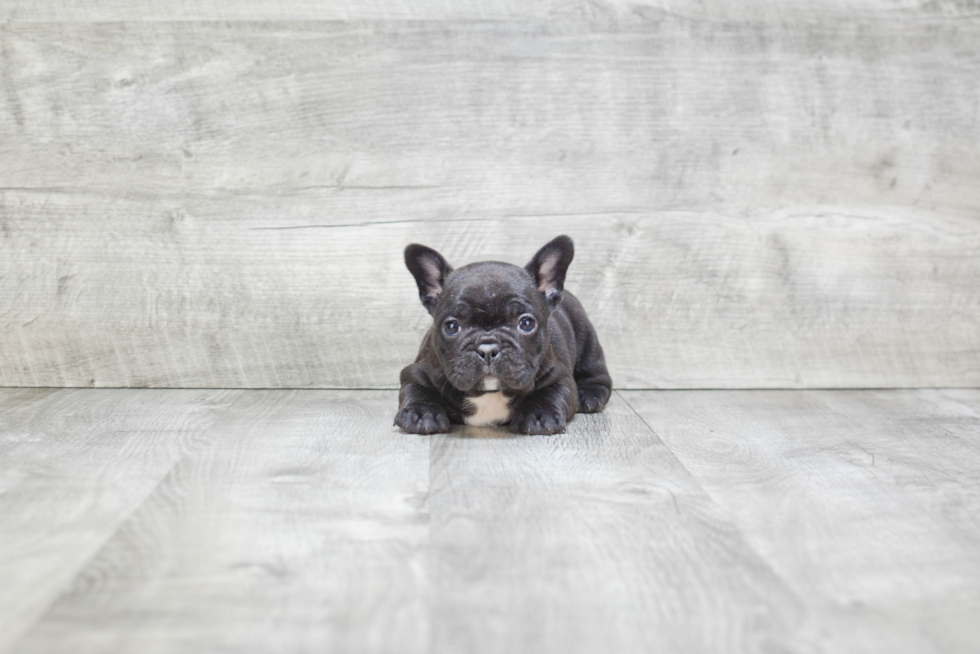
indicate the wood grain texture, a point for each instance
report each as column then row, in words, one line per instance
column 224, row 204
column 866, row 503
column 595, row 10
column 678, row 299
column 73, row 466
column 300, row 521
column 563, row 116
column 596, row 540
column 266, row 10
column 300, row 526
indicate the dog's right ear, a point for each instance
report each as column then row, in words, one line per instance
column 429, row 270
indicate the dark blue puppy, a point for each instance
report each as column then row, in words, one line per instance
column 508, row 346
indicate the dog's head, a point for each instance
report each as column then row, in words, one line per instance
column 491, row 318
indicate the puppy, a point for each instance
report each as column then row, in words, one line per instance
column 508, row 346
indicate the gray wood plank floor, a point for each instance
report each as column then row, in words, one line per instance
column 73, row 467
column 866, row 503
column 301, row 521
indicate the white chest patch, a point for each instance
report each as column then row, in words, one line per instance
column 491, row 409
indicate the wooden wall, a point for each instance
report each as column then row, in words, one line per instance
column 761, row 196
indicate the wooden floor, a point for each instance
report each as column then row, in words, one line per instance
column 676, row 521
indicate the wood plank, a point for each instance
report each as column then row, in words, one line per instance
column 172, row 196
column 73, row 466
column 301, row 526
column 592, row 541
column 526, row 116
column 866, row 503
column 968, row 397
column 745, row 11
column 680, row 300
column 299, row 10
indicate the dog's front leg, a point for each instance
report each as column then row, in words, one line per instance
column 546, row 410
column 420, row 406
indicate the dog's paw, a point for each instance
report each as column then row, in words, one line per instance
column 592, row 398
column 422, row 419
column 538, row 421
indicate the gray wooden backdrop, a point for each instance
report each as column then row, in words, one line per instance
column 762, row 194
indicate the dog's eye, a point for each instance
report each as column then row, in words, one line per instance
column 527, row 324
column 450, row 327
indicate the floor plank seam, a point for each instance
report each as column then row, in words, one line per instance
column 111, row 535
column 787, row 584
column 84, row 565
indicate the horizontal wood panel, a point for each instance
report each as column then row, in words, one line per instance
column 605, row 10
column 121, row 292
column 264, row 10
column 534, row 117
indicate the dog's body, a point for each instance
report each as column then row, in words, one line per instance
column 508, row 347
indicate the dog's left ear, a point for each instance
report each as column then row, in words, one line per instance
column 548, row 268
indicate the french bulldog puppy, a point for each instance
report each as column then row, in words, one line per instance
column 508, row 346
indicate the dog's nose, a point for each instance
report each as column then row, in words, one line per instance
column 488, row 351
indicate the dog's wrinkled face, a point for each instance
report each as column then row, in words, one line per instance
column 491, row 328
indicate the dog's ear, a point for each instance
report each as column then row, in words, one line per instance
column 429, row 270
column 548, row 268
